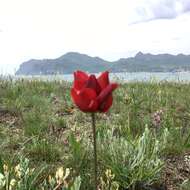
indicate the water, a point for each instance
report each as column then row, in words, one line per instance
column 154, row 76
column 135, row 76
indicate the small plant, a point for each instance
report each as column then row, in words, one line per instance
column 22, row 177
column 60, row 181
column 42, row 150
column 133, row 161
column 107, row 182
column 157, row 118
column 78, row 154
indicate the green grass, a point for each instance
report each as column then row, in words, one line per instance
column 39, row 121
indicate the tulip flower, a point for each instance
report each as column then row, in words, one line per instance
column 92, row 94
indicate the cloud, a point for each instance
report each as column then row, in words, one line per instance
column 161, row 9
column 186, row 5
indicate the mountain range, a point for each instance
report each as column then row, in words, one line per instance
column 72, row 61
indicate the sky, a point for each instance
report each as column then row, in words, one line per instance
column 110, row 29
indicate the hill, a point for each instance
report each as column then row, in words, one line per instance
column 72, row 61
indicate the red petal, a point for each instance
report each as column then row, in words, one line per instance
column 80, row 75
column 104, row 107
column 103, row 79
column 85, row 99
column 80, row 79
column 106, row 92
column 93, row 84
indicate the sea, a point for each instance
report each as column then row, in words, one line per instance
column 123, row 77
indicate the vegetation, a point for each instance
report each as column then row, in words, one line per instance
column 46, row 143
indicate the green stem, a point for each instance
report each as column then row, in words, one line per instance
column 95, row 152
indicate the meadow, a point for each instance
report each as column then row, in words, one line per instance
column 143, row 142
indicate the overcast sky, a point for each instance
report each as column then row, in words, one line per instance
column 106, row 28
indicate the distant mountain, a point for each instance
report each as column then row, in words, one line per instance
column 72, row 61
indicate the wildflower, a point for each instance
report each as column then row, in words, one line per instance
column 50, row 178
column 18, row 171
column 5, row 168
column 157, row 117
column 109, row 174
column 31, row 171
column 60, row 175
column 92, row 94
column 12, row 183
column 187, row 159
column 128, row 99
column 67, row 172
column 2, row 180
column 51, row 181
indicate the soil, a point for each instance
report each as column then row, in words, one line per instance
column 177, row 170
column 9, row 118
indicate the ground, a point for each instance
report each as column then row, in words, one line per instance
column 144, row 138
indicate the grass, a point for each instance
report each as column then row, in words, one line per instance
column 38, row 121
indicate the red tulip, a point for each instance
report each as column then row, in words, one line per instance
column 92, row 94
